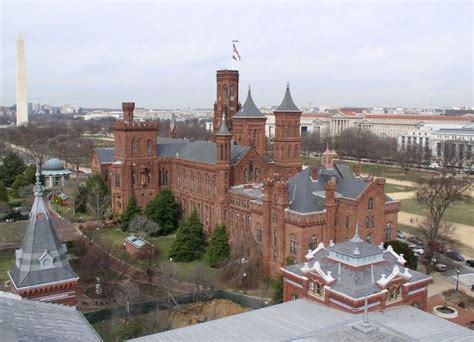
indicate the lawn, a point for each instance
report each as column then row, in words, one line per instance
column 11, row 233
column 391, row 188
column 462, row 213
column 67, row 212
column 163, row 244
column 387, row 171
column 7, row 258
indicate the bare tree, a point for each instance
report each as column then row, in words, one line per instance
column 438, row 194
column 143, row 225
column 98, row 202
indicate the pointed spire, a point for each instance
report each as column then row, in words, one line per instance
column 356, row 237
column 38, row 189
column 287, row 105
column 249, row 109
column 223, row 130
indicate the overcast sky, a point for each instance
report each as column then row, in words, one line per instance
column 165, row 54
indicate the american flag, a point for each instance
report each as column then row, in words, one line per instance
column 235, row 54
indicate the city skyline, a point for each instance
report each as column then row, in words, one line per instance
column 334, row 54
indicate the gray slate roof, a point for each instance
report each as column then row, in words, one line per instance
column 287, row 105
column 28, row 320
column 356, row 282
column 105, row 154
column 309, row 321
column 223, row 130
column 306, row 196
column 40, row 242
column 198, row 151
column 249, row 109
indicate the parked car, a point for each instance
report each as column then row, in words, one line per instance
column 441, row 267
column 455, row 255
column 415, row 240
column 470, row 262
column 400, row 235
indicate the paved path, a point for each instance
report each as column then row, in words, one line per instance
column 402, row 195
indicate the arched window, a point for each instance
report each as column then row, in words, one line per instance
column 250, row 177
column 289, row 151
column 148, row 147
column 293, row 244
column 388, row 231
column 372, row 221
column 275, row 237
column 313, row 242
column 222, row 151
column 192, row 181
column 348, row 222
column 117, row 179
column 199, row 183
column 208, row 185
column 367, row 222
column 259, row 234
column 295, row 152
column 134, row 176
column 134, row 148
column 370, row 205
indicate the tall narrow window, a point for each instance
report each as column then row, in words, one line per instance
column 117, row 179
column 313, row 242
column 370, row 205
column 148, row 147
column 192, row 181
column 293, row 244
column 259, row 233
column 388, row 231
column 275, row 237
column 134, row 148
column 199, row 183
column 250, row 177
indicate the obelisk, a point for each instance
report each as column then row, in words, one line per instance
column 21, row 103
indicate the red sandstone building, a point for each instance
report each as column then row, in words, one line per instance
column 344, row 275
column 237, row 181
column 41, row 271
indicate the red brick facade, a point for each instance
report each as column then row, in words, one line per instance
column 138, row 168
column 58, row 293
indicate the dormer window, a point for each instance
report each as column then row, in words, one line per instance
column 46, row 260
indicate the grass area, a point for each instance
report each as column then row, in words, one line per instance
column 378, row 170
column 11, row 233
column 7, row 258
column 67, row 212
column 163, row 244
column 391, row 188
column 462, row 213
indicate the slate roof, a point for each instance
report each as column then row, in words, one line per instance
column 356, row 282
column 249, row 109
column 40, row 242
column 199, row 151
column 287, row 105
column 306, row 196
column 223, row 130
column 28, row 320
column 304, row 320
column 105, row 154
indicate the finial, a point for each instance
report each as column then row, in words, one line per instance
column 366, row 312
column 356, row 237
column 38, row 189
column 38, row 173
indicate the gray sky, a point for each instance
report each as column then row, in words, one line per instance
column 165, row 54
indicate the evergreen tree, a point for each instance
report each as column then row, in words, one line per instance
column 96, row 180
column 190, row 243
column 401, row 247
column 12, row 166
column 219, row 248
column 80, row 199
column 3, row 193
column 164, row 211
column 277, row 296
column 132, row 210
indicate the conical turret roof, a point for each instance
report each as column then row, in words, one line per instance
column 41, row 258
column 249, row 109
column 287, row 105
column 223, row 130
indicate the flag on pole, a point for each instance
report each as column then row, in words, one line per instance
column 235, row 52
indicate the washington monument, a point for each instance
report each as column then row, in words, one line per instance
column 21, row 104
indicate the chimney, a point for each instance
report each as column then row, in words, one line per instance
column 127, row 108
column 357, row 169
column 330, row 193
column 314, row 173
column 282, row 193
column 381, row 183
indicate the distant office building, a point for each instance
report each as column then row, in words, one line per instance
column 21, row 104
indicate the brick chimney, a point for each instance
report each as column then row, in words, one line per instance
column 380, row 183
column 357, row 169
column 127, row 108
column 314, row 173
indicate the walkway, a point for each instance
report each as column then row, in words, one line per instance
column 465, row 316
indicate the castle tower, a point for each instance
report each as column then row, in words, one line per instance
column 173, row 127
column 287, row 140
column 227, row 97
column 135, row 166
column 42, row 271
column 21, row 103
column 222, row 139
column 249, row 126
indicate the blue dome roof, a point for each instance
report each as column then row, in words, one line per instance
column 53, row 165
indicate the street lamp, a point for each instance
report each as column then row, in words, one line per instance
column 457, row 279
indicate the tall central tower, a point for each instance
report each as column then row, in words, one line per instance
column 21, row 104
column 227, row 97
